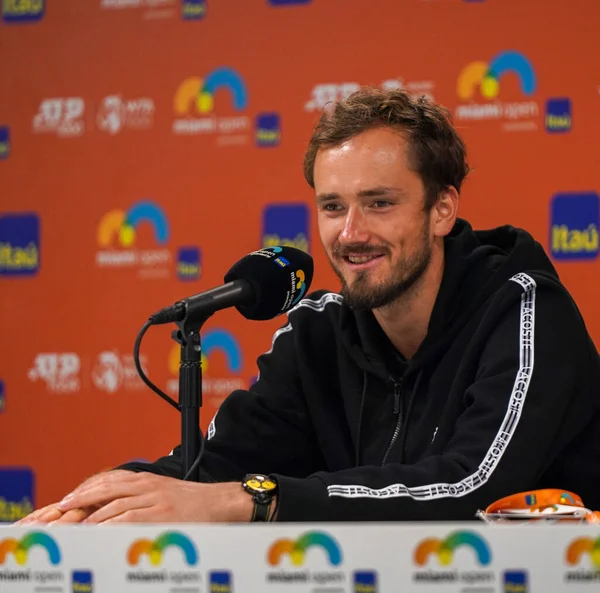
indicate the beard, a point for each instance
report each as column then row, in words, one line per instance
column 363, row 294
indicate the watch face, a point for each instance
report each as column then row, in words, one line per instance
column 260, row 483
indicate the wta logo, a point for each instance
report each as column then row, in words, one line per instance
column 486, row 76
column 198, row 93
column 120, row 226
column 444, row 549
column 296, row 549
column 20, row 548
column 584, row 546
column 154, row 549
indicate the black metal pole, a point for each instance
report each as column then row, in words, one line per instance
column 190, row 401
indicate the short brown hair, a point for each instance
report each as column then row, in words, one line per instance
column 437, row 153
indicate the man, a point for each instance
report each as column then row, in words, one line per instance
column 454, row 368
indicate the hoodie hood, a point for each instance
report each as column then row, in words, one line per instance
column 477, row 264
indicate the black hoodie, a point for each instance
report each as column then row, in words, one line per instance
column 502, row 396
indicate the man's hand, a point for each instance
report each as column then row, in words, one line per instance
column 44, row 515
column 143, row 497
column 52, row 513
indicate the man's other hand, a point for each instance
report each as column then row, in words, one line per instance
column 52, row 513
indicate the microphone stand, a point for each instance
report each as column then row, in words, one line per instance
column 190, row 393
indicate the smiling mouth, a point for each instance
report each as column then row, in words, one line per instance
column 362, row 259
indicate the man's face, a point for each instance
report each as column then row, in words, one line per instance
column 371, row 220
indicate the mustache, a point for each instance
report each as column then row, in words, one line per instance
column 359, row 249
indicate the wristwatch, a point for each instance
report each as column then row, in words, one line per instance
column 263, row 490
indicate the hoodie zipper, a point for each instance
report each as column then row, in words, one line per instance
column 398, row 413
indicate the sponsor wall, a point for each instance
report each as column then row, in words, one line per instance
column 147, row 145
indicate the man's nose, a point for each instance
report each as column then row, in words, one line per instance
column 355, row 229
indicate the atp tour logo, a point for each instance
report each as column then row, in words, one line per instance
column 60, row 371
column 222, row 364
column 324, row 95
column 159, row 561
column 446, row 558
column 15, row 555
column 62, row 116
column 481, row 80
column 118, row 235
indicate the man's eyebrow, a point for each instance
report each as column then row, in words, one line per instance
column 327, row 197
column 380, row 190
column 372, row 192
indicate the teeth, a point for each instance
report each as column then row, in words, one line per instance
column 362, row 259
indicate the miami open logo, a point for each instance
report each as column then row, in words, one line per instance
column 298, row 277
column 485, row 77
column 585, row 553
column 434, row 553
column 296, row 549
column 154, row 549
column 195, row 104
column 20, row 548
column 479, row 85
column 314, row 548
column 197, row 94
column 118, row 237
column 299, row 285
column 23, row 552
column 164, row 567
column 222, row 365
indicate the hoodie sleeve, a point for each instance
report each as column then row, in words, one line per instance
column 264, row 429
column 531, row 396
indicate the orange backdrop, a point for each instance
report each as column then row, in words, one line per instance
column 146, row 145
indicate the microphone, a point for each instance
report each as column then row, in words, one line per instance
column 262, row 285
